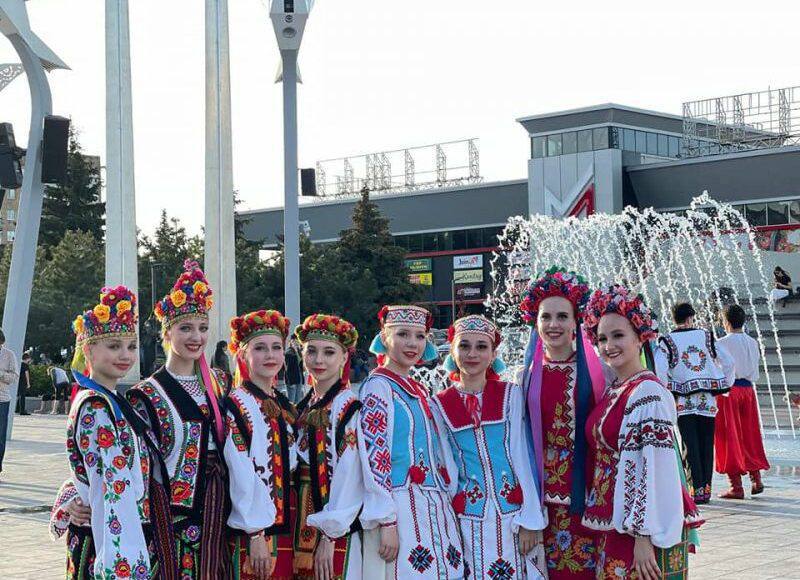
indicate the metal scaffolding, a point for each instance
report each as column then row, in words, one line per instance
column 742, row 122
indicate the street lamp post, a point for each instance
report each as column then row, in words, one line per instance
column 289, row 20
column 36, row 57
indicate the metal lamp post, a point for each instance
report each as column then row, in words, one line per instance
column 36, row 57
column 289, row 21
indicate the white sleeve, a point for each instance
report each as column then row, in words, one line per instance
column 648, row 498
column 533, row 516
column 726, row 363
column 375, row 428
column 59, row 518
column 660, row 361
column 116, row 524
column 347, row 481
column 252, row 508
column 755, row 361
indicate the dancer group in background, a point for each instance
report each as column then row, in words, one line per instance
column 737, row 437
column 696, row 371
column 261, row 421
column 406, row 504
column 329, row 479
column 563, row 384
column 493, row 490
column 637, row 499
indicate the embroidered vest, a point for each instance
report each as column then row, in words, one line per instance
column 691, row 363
column 483, row 450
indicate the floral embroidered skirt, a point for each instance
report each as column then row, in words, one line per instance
column 570, row 548
column 615, row 558
column 81, row 554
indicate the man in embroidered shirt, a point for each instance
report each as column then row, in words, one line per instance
column 8, row 376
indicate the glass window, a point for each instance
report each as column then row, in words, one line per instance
column 460, row 240
column 663, row 146
column 674, row 146
column 794, row 212
column 641, row 142
column 475, row 238
column 445, row 240
column 630, row 139
column 553, row 145
column 652, row 144
column 415, row 243
column 600, row 138
column 584, row 140
column 12, row 193
column 616, row 138
column 569, row 142
column 10, row 235
column 777, row 213
column 10, row 215
column 430, row 243
column 537, row 147
column 757, row 214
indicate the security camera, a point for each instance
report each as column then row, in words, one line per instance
column 289, row 20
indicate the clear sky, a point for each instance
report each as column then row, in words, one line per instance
column 387, row 74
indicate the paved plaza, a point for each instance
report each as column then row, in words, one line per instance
column 742, row 540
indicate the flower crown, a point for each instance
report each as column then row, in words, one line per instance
column 114, row 316
column 554, row 282
column 475, row 324
column 618, row 299
column 191, row 295
column 248, row 326
column 405, row 316
column 327, row 327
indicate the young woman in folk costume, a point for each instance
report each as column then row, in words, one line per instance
column 115, row 462
column 563, row 380
column 494, row 495
column 407, row 510
column 181, row 403
column 638, row 501
column 262, row 422
column 330, row 482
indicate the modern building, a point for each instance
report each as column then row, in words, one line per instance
column 9, row 209
column 595, row 159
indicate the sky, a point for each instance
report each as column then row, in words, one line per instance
column 388, row 74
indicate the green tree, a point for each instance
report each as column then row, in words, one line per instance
column 76, row 205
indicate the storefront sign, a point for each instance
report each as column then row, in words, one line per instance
column 467, row 262
column 419, row 265
column 424, row 279
column 468, row 276
column 469, row 291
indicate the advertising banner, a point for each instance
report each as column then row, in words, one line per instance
column 419, row 265
column 468, row 276
column 467, row 262
column 424, row 278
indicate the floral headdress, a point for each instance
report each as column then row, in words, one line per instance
column 190, row 296
column 403, row 315
column 474, row 324
column 115, row 315
column 617, row 299
column 246, row 327
column 327, row 327
column 554, row 282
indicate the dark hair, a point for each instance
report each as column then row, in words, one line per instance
column 26, row 355
column 221, row 346
column 735, row 316
column 681, row 312
column 2, row 337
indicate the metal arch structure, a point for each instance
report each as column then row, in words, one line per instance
column 36, row 58
column 8, row 72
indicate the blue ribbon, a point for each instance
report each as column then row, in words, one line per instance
column 85, row 382
column 583, row 403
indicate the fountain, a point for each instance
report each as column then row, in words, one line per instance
column 707, row 255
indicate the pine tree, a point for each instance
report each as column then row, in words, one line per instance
column 75, row 205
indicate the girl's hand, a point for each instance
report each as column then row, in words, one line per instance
column 644, row 559
column 323, row 559
column 79, row 513
column 528, row 539
column 260, row 559
column 390, row 543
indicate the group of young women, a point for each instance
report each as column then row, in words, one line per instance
column 573, row 472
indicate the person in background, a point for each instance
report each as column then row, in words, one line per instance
column 293, row 373
column 697, row 370
column 220, row 362
column 8, row 374
column 61, row 389
column 24, row 383
column 783, row 285
column 737, row 439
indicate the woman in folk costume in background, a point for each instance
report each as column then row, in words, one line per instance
column 638, row 501
column 113, row 458
column 494, row 493
column 405, row 476
column 562, row 383
column 330, row 481
column 180, row 402
column 261, row 421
